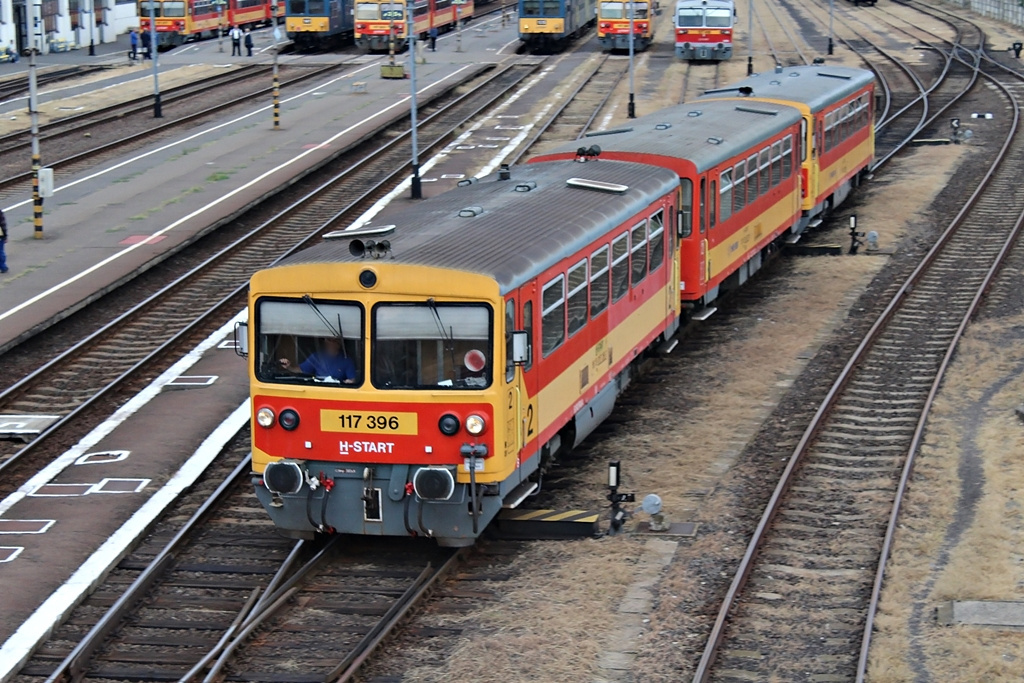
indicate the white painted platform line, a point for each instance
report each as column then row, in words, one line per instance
column 9, row 553
column 36, row 628
column 47, row 474
column 102, row 457
column 25, row 526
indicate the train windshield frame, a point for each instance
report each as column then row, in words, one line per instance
column 617, row 10
column 690, row 17
column 432, row 346
column 303, row 332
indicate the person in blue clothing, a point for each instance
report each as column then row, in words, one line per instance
column 433, row 38
column 329, row 362
column 133, row 38
column 3, row 242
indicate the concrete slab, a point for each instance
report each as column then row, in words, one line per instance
column 981, row 613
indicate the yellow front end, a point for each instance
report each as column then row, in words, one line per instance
column 422, row 421
column 307, row 24
column 550, row 25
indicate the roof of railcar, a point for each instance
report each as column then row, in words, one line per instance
column 814, row 86
column 702, row 3
column 519, row 234
column 706, row 132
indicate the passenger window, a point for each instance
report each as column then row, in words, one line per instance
column 764, row 169
column 553, row 315
column 686, row 207
column 510, row 326
column 739, row 186
column 657, row 248
column 577, row 297
column 639, row 252
column 713, row 203
column 752, row 180
column 776, row 163
column 620, row 266
column 599, row 281
column 528, row 326
column 725, row 196
column 703, row 200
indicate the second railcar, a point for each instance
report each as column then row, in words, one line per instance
column 547, row 25
column 704, row 29
column 613, row 22
column 319, row 24
column 378, row 22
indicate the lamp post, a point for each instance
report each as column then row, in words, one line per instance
column 631, row 109
column 458, row 25
column 92, row 25
column 417, row 189
column 157, row 111
column 750, row 38
column 831, row 8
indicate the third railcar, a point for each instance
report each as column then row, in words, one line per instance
column 704, row 29
column 318, row 24
column 546, row 25
column 613, row 25
column 378, row 21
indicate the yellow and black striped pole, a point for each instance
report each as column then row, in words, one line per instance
column 33, row 110
column 277, row 80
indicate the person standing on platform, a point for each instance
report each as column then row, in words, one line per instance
column 3, row 242
column 147, row 40
column 433, row 39
column 248, row 42
column 236, row 41
column 133, row 39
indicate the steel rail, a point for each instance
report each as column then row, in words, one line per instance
column 908, row 467
column 746, row 564
column 351, row 665
column 85, row 156
column 140, row 308
column 72, row 664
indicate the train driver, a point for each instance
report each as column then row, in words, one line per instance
column 331, row 361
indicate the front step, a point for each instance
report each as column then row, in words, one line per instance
column 520, row 493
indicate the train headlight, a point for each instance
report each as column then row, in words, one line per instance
column 448, row 424
column 475, row 425
column 265, row 417
column 289, row 419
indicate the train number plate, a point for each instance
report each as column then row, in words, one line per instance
column 368, row 422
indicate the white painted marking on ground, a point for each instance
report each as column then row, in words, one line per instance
column 20, row 645
column 114, row 485
column 41, row 526
column 9, row 552
column 102, row 457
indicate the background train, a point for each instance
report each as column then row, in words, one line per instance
column 319, row 24
column 178, row 21
column 613, row 24
column 546, row 25
column 704, row 29
column 376, row 19
column 473, row 342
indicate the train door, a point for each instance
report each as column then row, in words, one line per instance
column 529, row 382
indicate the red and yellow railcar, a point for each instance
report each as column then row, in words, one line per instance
column 178, row 21
column 736, row 164
column 837, row 104
column 613, row 24
column 376, row 21
column 492, row 328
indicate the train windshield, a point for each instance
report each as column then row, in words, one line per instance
column 618, row 10
column 144, row 9
column 690, row 17
column 309, row 341
column 172, row 9
column 431, row 346
column 719, row 18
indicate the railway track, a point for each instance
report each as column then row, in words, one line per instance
column 111, row 359
column 812, row 571
column 86, row 138
column 12, row 87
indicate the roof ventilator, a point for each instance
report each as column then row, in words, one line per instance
column 754, row 110
column 526, row 186
column 662, row 126
column 504, row 173
column 467, row 181
column 471, row 211
column 715, row 141
column 587, row 184
column 695, row 113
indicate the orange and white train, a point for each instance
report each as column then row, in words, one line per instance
column 480, row 333
column 378, row 22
